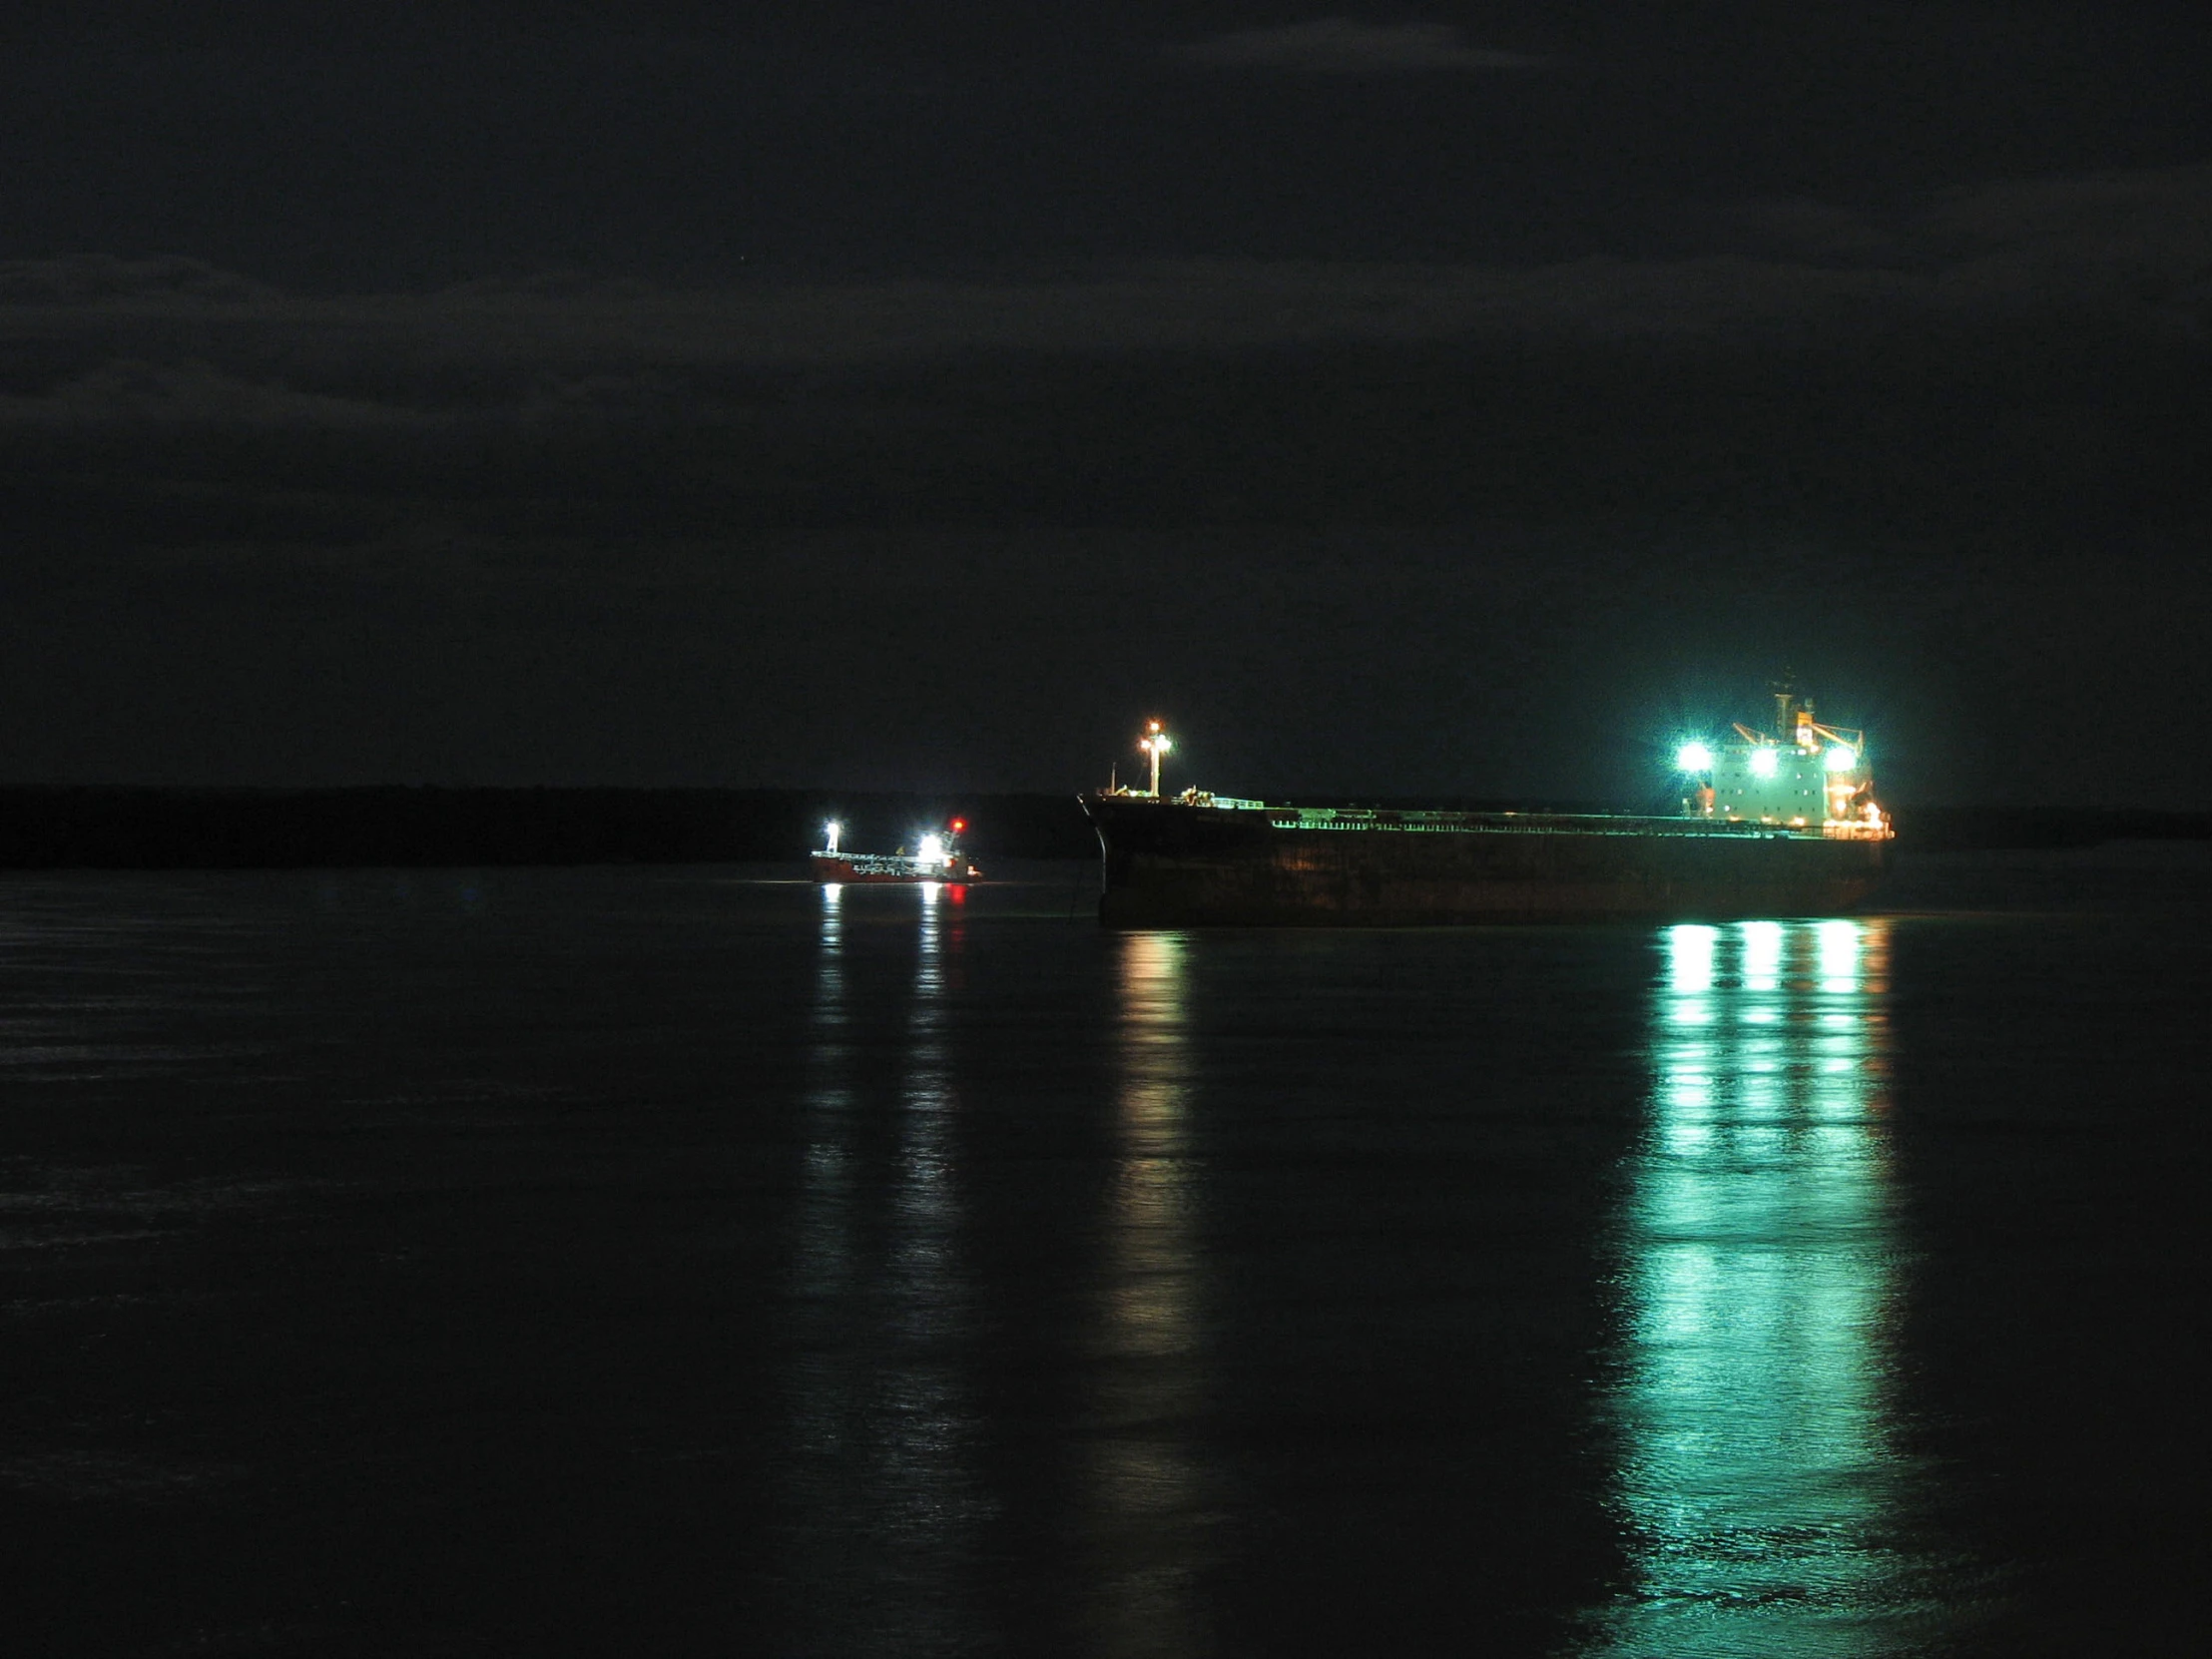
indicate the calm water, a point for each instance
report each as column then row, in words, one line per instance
column 670, row 1262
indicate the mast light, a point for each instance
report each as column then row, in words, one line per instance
column 1155, row 743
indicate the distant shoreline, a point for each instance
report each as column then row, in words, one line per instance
column 123, row 827
column 110, row 828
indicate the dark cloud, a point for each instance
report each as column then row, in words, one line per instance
column 882, row 395
column 1801, row 229
column 1382, row 528
column 104, row 340
column 96, row 279
column 423, row 146
column 133, row 393
column 1346, row 46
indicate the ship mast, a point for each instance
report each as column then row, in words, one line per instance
column 1785, row 693
column 1793, row 714
column 1155, row 743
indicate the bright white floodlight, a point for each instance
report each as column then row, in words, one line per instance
column 1765, row 763
column 1155, row 743
column 1693, row 757
column 830, row 831
column 932, row 851
column 1839, row 758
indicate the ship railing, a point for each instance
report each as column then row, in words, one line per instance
column 1530, row 824
column 1416, row 821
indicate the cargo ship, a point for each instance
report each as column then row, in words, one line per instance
column 937, row 858
column 1778, row 822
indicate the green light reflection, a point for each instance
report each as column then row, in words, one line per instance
column 1760, row 1488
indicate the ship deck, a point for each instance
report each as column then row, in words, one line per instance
column 1442, row 820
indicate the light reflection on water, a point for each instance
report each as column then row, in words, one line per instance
column 1147, row 1486
column 886, row 1420
column 931, row 1485
column 848, row 1275
column 1760, row 1484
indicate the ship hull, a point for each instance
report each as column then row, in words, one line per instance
column 870, row 869
column 1173, row 865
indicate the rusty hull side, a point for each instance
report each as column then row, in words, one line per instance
column 1173, row 865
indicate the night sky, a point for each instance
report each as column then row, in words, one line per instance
column 1461, row 400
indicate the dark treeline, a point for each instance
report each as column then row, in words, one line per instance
column 1968, row 828
column 165, row 829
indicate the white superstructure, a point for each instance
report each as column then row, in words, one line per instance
column 1803, row 774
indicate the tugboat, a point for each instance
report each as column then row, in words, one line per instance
column 1778, row 822
column 937, row 858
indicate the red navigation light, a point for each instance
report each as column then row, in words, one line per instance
column 958, row 826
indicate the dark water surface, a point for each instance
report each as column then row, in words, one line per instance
column 668, row 1261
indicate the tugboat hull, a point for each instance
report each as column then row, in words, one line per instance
column 873, row 868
